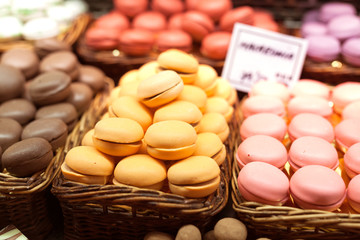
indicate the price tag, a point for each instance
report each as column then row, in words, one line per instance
column 256, row 54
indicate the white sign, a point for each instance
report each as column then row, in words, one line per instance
column 256, row 54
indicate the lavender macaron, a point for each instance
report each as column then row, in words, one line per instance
column 351, row 51
column 323, row 48
column 333, row 9
column 344, row 27
column 313, row 28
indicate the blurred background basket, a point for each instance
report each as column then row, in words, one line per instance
column 27, row 203
column 126, row 212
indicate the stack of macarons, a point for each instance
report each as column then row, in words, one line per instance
column 169, row 126
column 333, row 30
column 33, row 20
column 40, row 103
column 294, row 138
column 143, row 26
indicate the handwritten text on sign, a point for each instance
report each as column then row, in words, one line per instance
column 255, row 54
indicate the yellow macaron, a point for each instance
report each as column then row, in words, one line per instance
column 195, row 95
column 219, row 105
column 209, row 144
column 206, row 79
column 216, row 123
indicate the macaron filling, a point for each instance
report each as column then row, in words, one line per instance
column 196, row 190
column 171, row 153
column 162, row 92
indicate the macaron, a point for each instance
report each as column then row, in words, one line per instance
column 40, row 28
column 179, row 110
column 242, row 14
column 197, row 24
column 270, row 88
column 80, row 96
column 75, row 176
column 215, row 9
column 170, row 140
column 175, row 21
column 352, row 160
column 26, row 157
column 206, row 79
column 112, row 20
column 87, row 139
column 168, row 7
column 209, row 144
column 53, row 130
column 264, row 183
column 64, row 61
column 353, row 193
column 64, row 111
column 352, row 110
column 310, row 188
column 88, row 162
column 264, row 19
column 309, row 104
column 160, row 89
column 147, row 70
column 136, row 42
column 345, row 93
column 331, row 10
column 310, row 87
column 261, row 148
column 194, row 95
column 129, row 89
column 350, row 51
column 26, row 60
column 268, row 124
column 11, row 28
column 19, row 109
column 216, row 123
column 130, row 8
column 194, row 177
column 129, row 76
column 224, row 90
column 92, row 76
column 178, row 39
column 12, row 82
column 44, row 47
column 181, row 62
column 10, row 132
column 344, row 27
column 132, row 170
column 313, row 28
column 220, row 105
column 97, row 38
column 347, row 133
column 50, row 87
column 118, row 136
column 309, row 150
column 150, row 20
column 215, row 45
column 323, row 48
column 262, row 104
column 129, row 107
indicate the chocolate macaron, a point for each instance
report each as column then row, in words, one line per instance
column 12, row 82
column 10, row 132
column 19, row 109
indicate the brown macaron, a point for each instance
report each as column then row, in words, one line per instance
column 26, row 157
column 170, row 140
column 53, row 130
column 50, row 87
column 80, row 96
column 10, row 132
column 160, row 89
column 45, row 46
column 209, row 144
column 194, row 177
column 93, row 76
column 118, row 136
column 140, row 170
column 19, row 109
column 64, row 61
column 12, row 82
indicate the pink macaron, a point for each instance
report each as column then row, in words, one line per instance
column 215, row 9
column 136, row 42
column 352, row 160
column 310, row 124
column 323, row 48
column 261, row 148
column 350, row 51
column 268, row 124
column 352, row 110
column 178, row 39
column 197, row 24
column 270, row 88
column 243, row 14
column 347, row 133
column 317, row 187
column 264, row 183
column 168, row 7
column 331, row 10
column 130, row 8
column 311, row 150
column 310, row 87
column 344, row 27
column 175, row 21
column 353, row 193
column 113, row 20
column 262, row 104
column 309, row 104
column 150, row 20
column 98, row 38
column 313, row 28
column 345, row 93
column 215, row 45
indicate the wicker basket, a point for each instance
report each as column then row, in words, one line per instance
column 289, row 221
column 27, row 202
column 70, row 36
column 126, row 212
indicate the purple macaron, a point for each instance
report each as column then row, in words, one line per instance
column 351, row 51
column 344, row 27
column 323, row 48
column 333, row 9
column 313, row 28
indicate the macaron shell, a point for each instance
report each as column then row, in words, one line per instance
column 116, row 149
column 147, row 70
column 309, row 104
column 220, row 105
column 345, row 93
column 156, row 186
column 215, row 45
column 178, row 60
column 215, row 123
column 171, row 154
column 352, row 110
column 129, row 76
column 262, row 104
column 353, row 193
column 87, row 140
column 270, row 88
column 19, row 109
column 347, row 133
column 82, row 178
column 195, row 95
column 352, row 160
column 310, row 87
column 196, row 191
column 209, row 144
column 243, row 14
column 197, row 24
column 150, row 20
column 206, row 79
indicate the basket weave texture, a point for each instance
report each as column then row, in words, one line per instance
column 290, row 222
column 26, row 202
column 126, row 212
